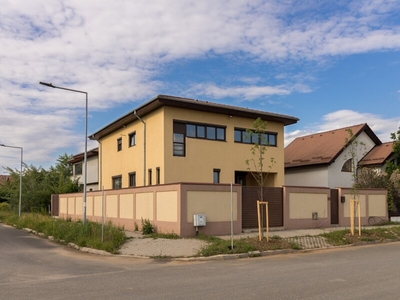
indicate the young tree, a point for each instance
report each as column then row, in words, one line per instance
column 354, row 151
column 256, row 165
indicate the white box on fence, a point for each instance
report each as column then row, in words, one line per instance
column 199, row 220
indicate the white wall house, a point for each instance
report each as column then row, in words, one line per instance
column 323, row 160
column 78, row 169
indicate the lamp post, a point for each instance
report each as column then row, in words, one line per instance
column 86, row 134
column 20, row 176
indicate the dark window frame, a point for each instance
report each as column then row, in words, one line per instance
column 119, row 144
column 131, row 136
column 216, row 175
column 150, row 175
column 114, row 182
column 78, row 171
column 132, row 179
column 242, row 136
column 158, row 175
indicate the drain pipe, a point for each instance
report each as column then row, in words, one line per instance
column 144, row 147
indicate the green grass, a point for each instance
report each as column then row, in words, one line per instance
column 337, row 238
column 66, row 231
column 154, row 235
column 218, row 246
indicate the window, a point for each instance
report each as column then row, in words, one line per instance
column 158, row 175
column 209, row 132
column 265, row 139
column 216, row 173
column 119, row 144
column 132, row 139
column 150, row 177
column 117, row 182
column 78, row 169
column 132, row 179
column 179, row 144
column 182, row 130
column 348, row 166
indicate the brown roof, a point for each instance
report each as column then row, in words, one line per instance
column 173, row 101
column 80, row 157
column 378, row 155
column 323, row 147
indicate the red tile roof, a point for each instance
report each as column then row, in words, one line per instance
column 378, row 155
column 323, row 147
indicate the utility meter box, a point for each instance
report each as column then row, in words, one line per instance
column 315, row 216
column 199, row 220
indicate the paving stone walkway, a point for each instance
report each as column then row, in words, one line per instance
column 310, row 242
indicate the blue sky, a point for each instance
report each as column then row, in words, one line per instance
column 329, row 63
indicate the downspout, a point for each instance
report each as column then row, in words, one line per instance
column 100, row 166
column 144, row 147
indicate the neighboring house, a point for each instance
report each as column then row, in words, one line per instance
column 78, row 169
column 171, row 139
column 322, row 159
column 378, row 157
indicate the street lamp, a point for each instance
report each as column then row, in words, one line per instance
column 86, row 134
column 20, row 177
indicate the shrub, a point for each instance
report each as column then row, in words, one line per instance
column 4, row 206
column 147, row 227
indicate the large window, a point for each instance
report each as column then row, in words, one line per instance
column 209, row 132
column 78, row 169
column 132, row 179
column 117, row 182
column 132, row 139
column 250, row 137
column 183, row 129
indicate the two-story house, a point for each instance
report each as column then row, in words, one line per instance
column 171, row 139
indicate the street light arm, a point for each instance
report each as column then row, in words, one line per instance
column 86, row 137
column 61, row 88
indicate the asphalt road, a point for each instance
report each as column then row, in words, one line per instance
column 35, row 268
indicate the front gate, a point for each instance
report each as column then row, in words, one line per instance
column 272, row 195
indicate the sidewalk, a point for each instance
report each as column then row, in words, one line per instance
column 138, row 246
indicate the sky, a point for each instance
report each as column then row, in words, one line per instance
column 329, row 63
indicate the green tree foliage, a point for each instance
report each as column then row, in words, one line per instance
column 256, row 165
column 370, row 178
column 394, row 165
column 38, row 185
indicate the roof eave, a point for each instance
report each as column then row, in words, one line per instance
column 172, row 101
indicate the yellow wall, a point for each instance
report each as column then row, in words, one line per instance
column 167, row 206
column 63, row 206
column 98, row 206
column 144, row 206
column 202, row 156
column 377, row 205
column 126, row 206
column 130, row 159
column 215, row 205
column 302, row 205
column 363, row 203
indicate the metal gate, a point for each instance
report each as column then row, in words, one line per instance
column 274, row 197
column 334, row 206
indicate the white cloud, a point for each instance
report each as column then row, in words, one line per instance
column 382, row 127
column 117, row 50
